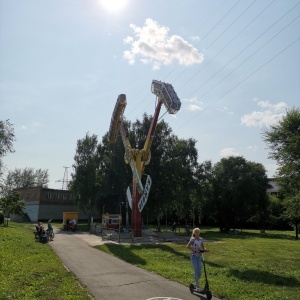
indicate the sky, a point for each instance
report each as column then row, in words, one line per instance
column 235, row 65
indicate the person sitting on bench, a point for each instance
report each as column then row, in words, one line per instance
column 50, row 231
column 74, row 225
column 39, row 228
column 68, row 224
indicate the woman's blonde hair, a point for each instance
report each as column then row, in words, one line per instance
column 195, row 229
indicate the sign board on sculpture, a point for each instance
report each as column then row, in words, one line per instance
column 144, row 197
column 129, row 198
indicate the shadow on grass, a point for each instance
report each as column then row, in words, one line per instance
column 247, row 235
column 169, row 249
column 265, row 277
column 127, row 253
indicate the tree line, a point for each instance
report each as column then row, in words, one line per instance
column 231, row 193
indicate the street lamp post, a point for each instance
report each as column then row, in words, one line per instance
column 193, row 216
column 127, row 216
column 166, row 224
column 120, row 218
column 147, row 217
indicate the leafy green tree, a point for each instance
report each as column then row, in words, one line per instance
column 239, row 192
column 283, row 140
column 275, row 212
column 12, row 204
column 185, row 166
column 7, row 137
column 258, row 200
column 204, row 192
column 292, row 211
column 158, row 203
column 172, row 168
column 114, row 175
column 85, row 184
column 25, row 178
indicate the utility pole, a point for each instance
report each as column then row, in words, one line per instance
column 65, row 180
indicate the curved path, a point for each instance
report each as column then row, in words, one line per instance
column 109, row 278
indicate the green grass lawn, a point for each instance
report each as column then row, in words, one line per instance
column 246, row 266
column 30, row 270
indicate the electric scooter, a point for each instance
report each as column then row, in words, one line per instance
column 205, row 290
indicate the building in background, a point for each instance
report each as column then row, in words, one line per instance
column 44, row 204
column 273, row 186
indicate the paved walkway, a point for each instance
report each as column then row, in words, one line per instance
column 109, row 278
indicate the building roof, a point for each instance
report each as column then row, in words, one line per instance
column 273, row 186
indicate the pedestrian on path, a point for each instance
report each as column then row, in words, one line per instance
column 196, row 246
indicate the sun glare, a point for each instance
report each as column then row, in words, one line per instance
column 113, row 5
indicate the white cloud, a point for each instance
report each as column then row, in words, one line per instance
column 226, row 110
column 255, row 99
column 252, row 148
column 226, row 152
column 193, row 100
column 279, row 107
column 153, row 45
column 195, row 38
column 32, row 127
column 193, row 107
column 128, row 40
column 268, row 115
column 194, row 104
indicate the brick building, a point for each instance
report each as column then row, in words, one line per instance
column 45, row 204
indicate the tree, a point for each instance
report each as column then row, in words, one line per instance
column 12, row 204
column 115, row 175
column 275, row 211
column 25, row 178
column 84, row 185
column 7, row 137
column 292, row 211
column 204, row 191
column 283, row 140
column 239, row 192
column 172, row 168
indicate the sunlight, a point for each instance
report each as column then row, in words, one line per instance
column 113, row 5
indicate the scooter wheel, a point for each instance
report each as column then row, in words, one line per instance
column 192, row 288
column 208, row 295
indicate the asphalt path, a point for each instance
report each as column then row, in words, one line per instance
column 107, row 277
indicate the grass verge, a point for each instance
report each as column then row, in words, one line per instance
column 31, row 270
column 246, row 266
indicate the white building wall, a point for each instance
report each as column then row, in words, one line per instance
column 32, row 210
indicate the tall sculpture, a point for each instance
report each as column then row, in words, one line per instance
column 139, row 158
